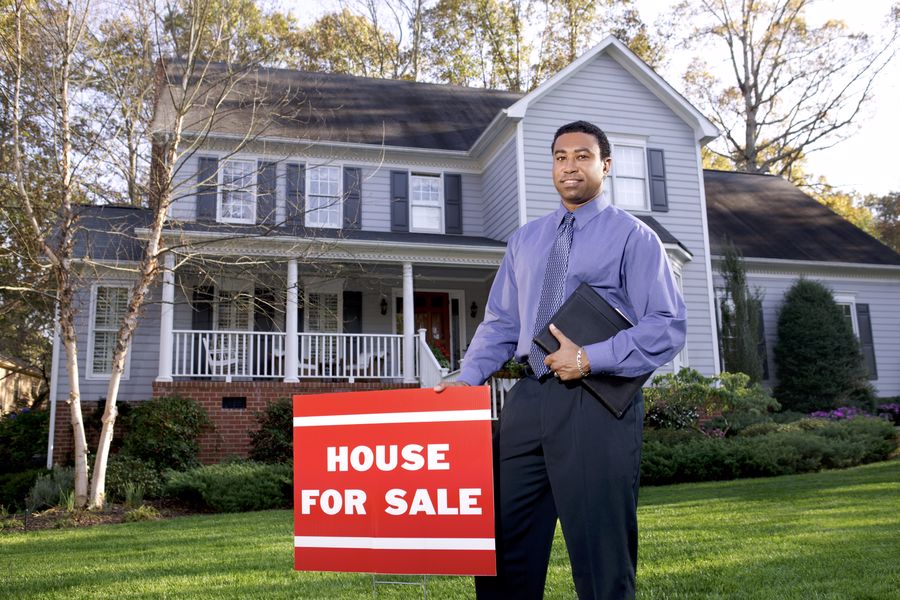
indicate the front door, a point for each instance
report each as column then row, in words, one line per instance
column 431, row 311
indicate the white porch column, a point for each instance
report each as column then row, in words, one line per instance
column 409, row 349
column 290, row 325
column 167, row 318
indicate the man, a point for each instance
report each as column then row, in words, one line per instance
column 559, row 451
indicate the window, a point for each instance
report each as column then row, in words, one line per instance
column 323, row 312
column 629, row 175
column 681, row 359
column 238, row 195
column 323, row 194
column 108, row 308
column 426, row 206
column 233, row 310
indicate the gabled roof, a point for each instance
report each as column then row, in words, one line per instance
column 767, row 217
column 704, row 129
column 286, row 104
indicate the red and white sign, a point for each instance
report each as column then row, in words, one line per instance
column 394, row 481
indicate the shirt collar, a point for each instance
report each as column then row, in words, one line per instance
column 586, row 212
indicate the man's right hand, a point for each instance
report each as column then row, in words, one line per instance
column 443, row 386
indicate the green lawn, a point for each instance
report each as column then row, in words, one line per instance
column 832, row 535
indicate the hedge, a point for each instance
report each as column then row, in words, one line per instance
column 233, row 487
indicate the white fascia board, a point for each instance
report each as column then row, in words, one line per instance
column 313, row 144
column 704, row 129
column 369, row 251
column 677, row 252
column 791, row 267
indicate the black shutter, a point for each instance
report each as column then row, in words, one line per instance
column 264, row 310
column 399, row 201
column 265, row 193
column 295, row 188
column 452, row 204
column 656, row 163
column 207, row 187
column 352, row 312
column 761, row 343
column 301, row 301
column 866, row 342
column 352, row 193
column 201, row 320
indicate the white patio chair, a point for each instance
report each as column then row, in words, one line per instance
column 220, row 360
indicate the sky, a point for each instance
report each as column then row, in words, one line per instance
column 865, row 162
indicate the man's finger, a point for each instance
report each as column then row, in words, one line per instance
column 559, row 335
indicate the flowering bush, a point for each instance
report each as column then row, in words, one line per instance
column 839, row 414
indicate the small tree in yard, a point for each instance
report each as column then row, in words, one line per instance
column 740, row 318
column 817, row 356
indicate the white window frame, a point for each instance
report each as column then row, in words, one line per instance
column 681, row 359
column 616, row 141
column 312, row 216
column 220, row 197
column 845, row 299
column 321, row 286
column 440, row 207
column 89, row 366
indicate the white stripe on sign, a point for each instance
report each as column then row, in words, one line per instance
column 435, row 416
column 374, row 543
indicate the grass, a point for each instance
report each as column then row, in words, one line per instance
column 823, row 536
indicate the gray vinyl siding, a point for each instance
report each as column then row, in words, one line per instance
column 605, row 93
column 144, row 354
column 881, row 296
column 501, row 194
column 376, row 199
column 472, row 201
column 184, row 196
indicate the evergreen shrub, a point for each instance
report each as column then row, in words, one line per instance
column 234, row 487
column 14, row 487
column 165, row 432
column 122, row 470
column 273, row 442
column 23, row 440
column 817, row 358
column 51, row 488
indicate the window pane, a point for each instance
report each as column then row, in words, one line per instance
column 629, row 161
column 323, row 312
column 104, row 344
column 237, row 190
column 630, row 193
column 112, row 302
column 425, row 217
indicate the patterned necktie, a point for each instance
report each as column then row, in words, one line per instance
column 552, row 290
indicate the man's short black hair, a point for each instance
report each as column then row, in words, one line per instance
column 585, row 127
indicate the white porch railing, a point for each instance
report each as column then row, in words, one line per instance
column 429, row 369
column 252, row 354
column 499, row 389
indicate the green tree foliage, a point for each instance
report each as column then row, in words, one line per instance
column 739, row 336
column 273, row 442
column 165, row 432
column 817, row 357
column 791, row 86
column 886, row 218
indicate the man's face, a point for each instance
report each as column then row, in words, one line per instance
column 578, row 169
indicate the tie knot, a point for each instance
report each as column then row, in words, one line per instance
column 568, row 219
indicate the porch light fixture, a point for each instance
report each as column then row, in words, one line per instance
column 383, row 305
column 473, row 310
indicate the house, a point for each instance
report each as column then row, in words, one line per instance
column 353, row 237
column 20, row 384
column 784, row 234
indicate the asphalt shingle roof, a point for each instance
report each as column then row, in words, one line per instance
column 766, row 216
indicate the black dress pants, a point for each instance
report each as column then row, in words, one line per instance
column 560, row 453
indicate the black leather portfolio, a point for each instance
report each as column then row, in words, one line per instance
column 586, row 318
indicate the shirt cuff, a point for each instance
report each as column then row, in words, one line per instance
column 601, row 357
column 469, row 378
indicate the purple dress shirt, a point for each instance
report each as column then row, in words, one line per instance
column 620, row 257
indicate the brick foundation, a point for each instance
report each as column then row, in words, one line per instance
column 230, row 436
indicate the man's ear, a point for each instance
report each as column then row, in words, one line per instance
column 607, row 165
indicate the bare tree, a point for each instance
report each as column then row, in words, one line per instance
column 789, row 88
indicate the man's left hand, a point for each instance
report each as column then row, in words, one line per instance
column 563, row 362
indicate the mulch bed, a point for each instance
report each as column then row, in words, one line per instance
column 60, row 518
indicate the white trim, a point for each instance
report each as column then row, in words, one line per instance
column 307, row 180
column 848, row 299
column 707, row 264
column 703, row 128
column 386, row 543
column 89, row 374
column 434, row 416
column 520, row 171
column 889, row 272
